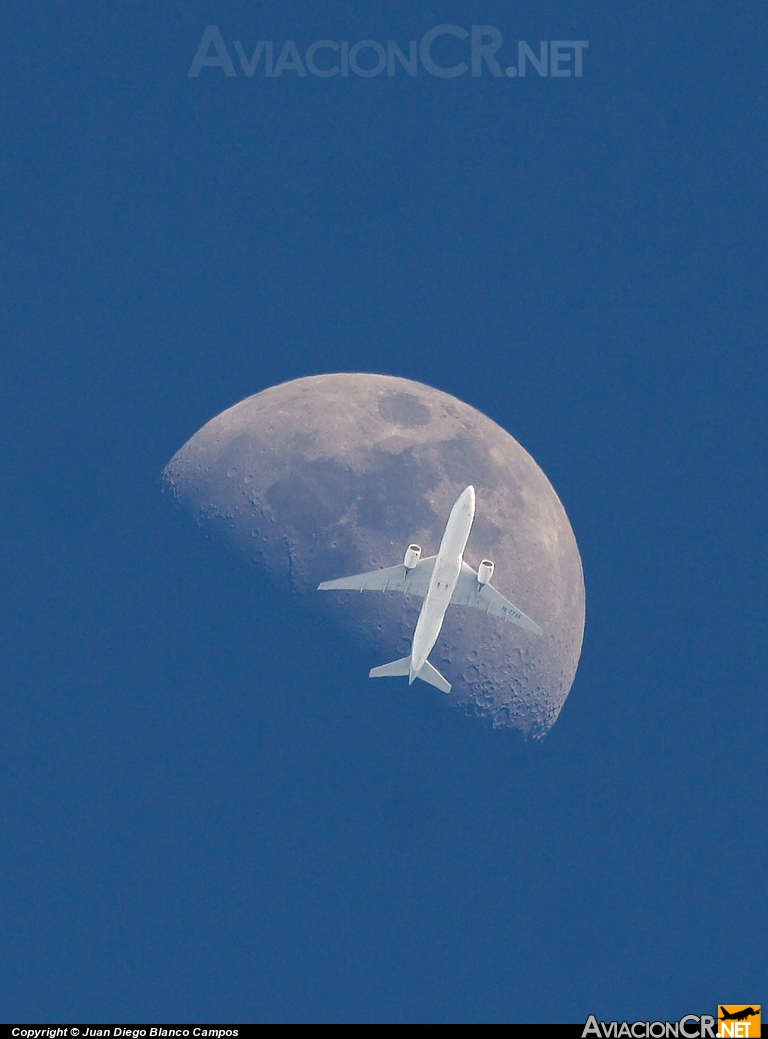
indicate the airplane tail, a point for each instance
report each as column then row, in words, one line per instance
column 394, row 670
column 432, row 675
column 402, row 667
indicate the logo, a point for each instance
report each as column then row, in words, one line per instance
column 690, row 1026
column 445, row 51
column 738, row 1021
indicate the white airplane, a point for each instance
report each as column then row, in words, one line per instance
column 440, row 580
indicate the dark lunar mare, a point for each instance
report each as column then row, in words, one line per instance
column 337, row 474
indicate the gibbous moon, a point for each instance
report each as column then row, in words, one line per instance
column 336, row 474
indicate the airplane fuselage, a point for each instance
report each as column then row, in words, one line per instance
column 443, row 581
column 439, row 581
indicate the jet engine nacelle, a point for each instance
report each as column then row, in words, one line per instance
column 412, row 556
column 485, row 571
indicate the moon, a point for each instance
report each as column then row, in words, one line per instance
column 332, row 475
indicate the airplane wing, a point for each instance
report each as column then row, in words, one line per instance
column 391, row 579
column 469, row 592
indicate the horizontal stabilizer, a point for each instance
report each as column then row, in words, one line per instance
column 396, row 669
column 401, row 668
column 432, row 675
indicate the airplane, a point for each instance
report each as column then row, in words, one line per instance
column 738, row 1015
column 440, row 580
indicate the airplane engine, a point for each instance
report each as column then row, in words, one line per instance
column 485, row 571
column 412, row 556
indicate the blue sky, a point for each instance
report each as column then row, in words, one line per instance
column 192, row 830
